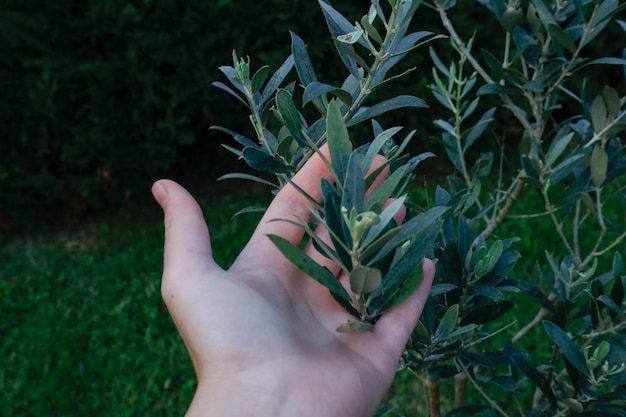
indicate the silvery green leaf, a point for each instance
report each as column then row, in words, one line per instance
column 544, row 13
column 604, row 61
column 259, row 78
column 366, row 113
column 420, row 335
column 304, row 263
column 262, row 161
column 316, row 89
column 339, row 235
column 372, row 32
column 232, row 76
column 612, row 101
column 414, row 227
column 377, row 144
column 364, row 280
column 447, row 323
column 251, row 209
column 527, row 45
column 304, row 66
column 442, row 68
column 566, row 167
column 354, row 326
column 438, row 289
column 601, row 17
column 360, row 65
column 479, row 128
column 230, row 91
column 339, row 25
column 422, row 245
column 496, row 68
column 470, row 108
column 557, row 147
column 238, row 137
column 291, row 116
column 385, row 218
column 242, row 176
column 486, row 263
column 557, row 34
column 615, row 309
column 354, row 185
column 599, row 165
column 397, row 51
column 401, row 292
column 387, row 188
column 338, row 140
column 277, row 79
column 445, row 125
column 487, row 291
column 599, row 117
column 351, row 37
column 534, row 86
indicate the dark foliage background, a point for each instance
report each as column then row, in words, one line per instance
column 99, row 98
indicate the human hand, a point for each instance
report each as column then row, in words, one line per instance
column 261, row 335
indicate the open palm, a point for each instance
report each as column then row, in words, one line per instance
column 262, row 335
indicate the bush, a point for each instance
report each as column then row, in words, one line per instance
column 527, row 137
column 101, row 98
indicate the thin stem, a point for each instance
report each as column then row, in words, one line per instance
column 576, row 227
column 478, row 388
column 597, row 253
column 479, row 69
column 511, row 197
column 539, row 317
column 559, row 228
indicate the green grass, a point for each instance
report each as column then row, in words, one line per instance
column 84, row 330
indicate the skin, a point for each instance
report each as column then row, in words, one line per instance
column 261, row 335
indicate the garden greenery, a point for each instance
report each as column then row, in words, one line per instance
column 572, row 160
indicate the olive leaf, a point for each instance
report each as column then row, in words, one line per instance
column 364, row 280
column 307, row 265
column 599, row 165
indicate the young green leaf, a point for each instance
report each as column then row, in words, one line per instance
column 259, row 78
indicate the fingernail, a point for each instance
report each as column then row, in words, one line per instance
column 160, row 193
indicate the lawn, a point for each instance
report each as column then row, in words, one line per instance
column 84, row 330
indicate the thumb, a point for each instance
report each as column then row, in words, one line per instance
column 187, row 243
column 396, row 325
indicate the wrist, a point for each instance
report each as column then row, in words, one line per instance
column 244, row 396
